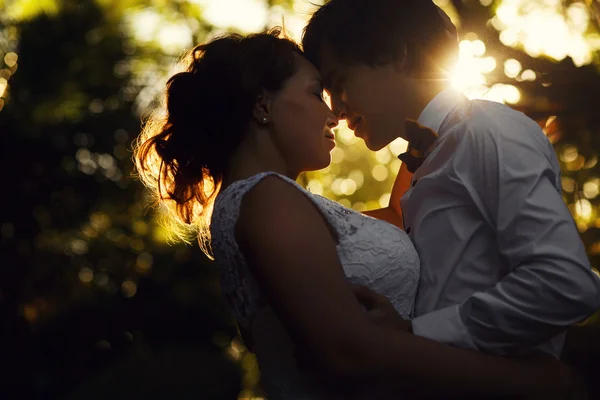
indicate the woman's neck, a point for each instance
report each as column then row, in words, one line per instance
column 254, row 157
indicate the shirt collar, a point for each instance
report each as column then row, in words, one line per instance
column 438, row 109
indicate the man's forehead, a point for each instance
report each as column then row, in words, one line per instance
column 329, row 63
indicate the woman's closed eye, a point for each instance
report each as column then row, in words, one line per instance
column 318, row 90
column 322, row 94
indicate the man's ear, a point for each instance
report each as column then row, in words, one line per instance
column 262, row 107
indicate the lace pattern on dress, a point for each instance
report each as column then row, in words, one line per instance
column 372, row 253
column 367, row 258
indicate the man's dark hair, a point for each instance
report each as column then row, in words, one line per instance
column 376, row 32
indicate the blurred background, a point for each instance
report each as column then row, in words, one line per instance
column 96, row 301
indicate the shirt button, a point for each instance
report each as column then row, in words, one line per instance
column 408, row 230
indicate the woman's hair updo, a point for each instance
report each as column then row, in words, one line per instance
column 185, row 146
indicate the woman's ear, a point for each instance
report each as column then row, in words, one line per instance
column 262, row 107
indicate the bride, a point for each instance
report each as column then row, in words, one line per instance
column 241, row 123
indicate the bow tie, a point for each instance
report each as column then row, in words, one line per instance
column 420, row 139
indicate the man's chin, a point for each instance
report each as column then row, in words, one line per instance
column 371, row 145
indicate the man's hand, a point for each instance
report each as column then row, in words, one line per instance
column 379, row 309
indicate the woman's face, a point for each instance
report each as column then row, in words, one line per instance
column 302, row 122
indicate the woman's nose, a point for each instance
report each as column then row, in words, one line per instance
column 332, row 121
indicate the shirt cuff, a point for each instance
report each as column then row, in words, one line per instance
column 444, row 326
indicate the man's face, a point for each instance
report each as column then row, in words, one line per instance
column 375, row 101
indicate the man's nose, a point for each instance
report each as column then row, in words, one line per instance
column 338, row 107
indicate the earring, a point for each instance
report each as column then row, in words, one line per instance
column 264, row 120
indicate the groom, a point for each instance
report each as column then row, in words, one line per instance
column 503, row 269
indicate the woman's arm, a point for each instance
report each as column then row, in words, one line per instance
column 393, row 212
column 291, row 252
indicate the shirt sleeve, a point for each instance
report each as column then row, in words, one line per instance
column 512, row 177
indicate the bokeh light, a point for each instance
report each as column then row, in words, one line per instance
column 541, row 29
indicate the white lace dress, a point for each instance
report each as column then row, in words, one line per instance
column 373, row 253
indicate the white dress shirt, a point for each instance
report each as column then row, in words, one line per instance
column 503, row 269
